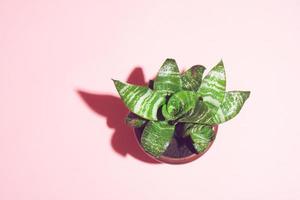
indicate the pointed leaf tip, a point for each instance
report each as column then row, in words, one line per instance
column 246, row 94
column 192, row 78
column 221, row 62
column 168, row 78
column 116, row 82
column 231, row 106
column 140, row 100
column 170, row 63
column 213, row 87
column 171, row 60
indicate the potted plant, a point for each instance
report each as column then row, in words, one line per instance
column 176, row 118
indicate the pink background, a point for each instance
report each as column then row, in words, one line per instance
column 61, row 131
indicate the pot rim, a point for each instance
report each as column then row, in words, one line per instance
column 182, row 160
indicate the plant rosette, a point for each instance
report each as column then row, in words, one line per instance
column 176, row 120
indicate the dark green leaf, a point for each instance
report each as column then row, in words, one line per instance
column 134, row 120
column 191, row 79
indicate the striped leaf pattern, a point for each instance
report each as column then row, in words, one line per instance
column 198, row 104
column 231, row 106
column 191, row 79
column 156, row 137
column 179, row 104
column 200, row 114
column 213, row 87
column 168, row 78
column 201, row 135
column 140, row 100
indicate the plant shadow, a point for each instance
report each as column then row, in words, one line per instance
column 113, row 109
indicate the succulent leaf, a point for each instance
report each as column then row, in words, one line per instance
column 156, row 137
column 140, row 100
column 187, row 99
column 179, row 104
column 213, row 87
column 191, row 79
column 231, row 106
column 201, row 135
column 168, row 78
column 200, row 114
column 135, row 120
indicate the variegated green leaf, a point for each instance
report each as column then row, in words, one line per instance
column 191, row 79
column 231, row 106
column 156, row 137
column 200, row 114
column 179, row 104
column 135, row 120
column 213, row 86
column 168, row 78
column 201, row 135
column 140, row 100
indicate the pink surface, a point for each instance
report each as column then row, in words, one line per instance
column 56, row 60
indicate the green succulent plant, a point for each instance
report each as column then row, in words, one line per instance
column 187, row 99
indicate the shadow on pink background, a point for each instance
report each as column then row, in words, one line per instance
column 60, row 144
column 114, row 110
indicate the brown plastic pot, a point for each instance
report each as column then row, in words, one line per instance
column 173, row 160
